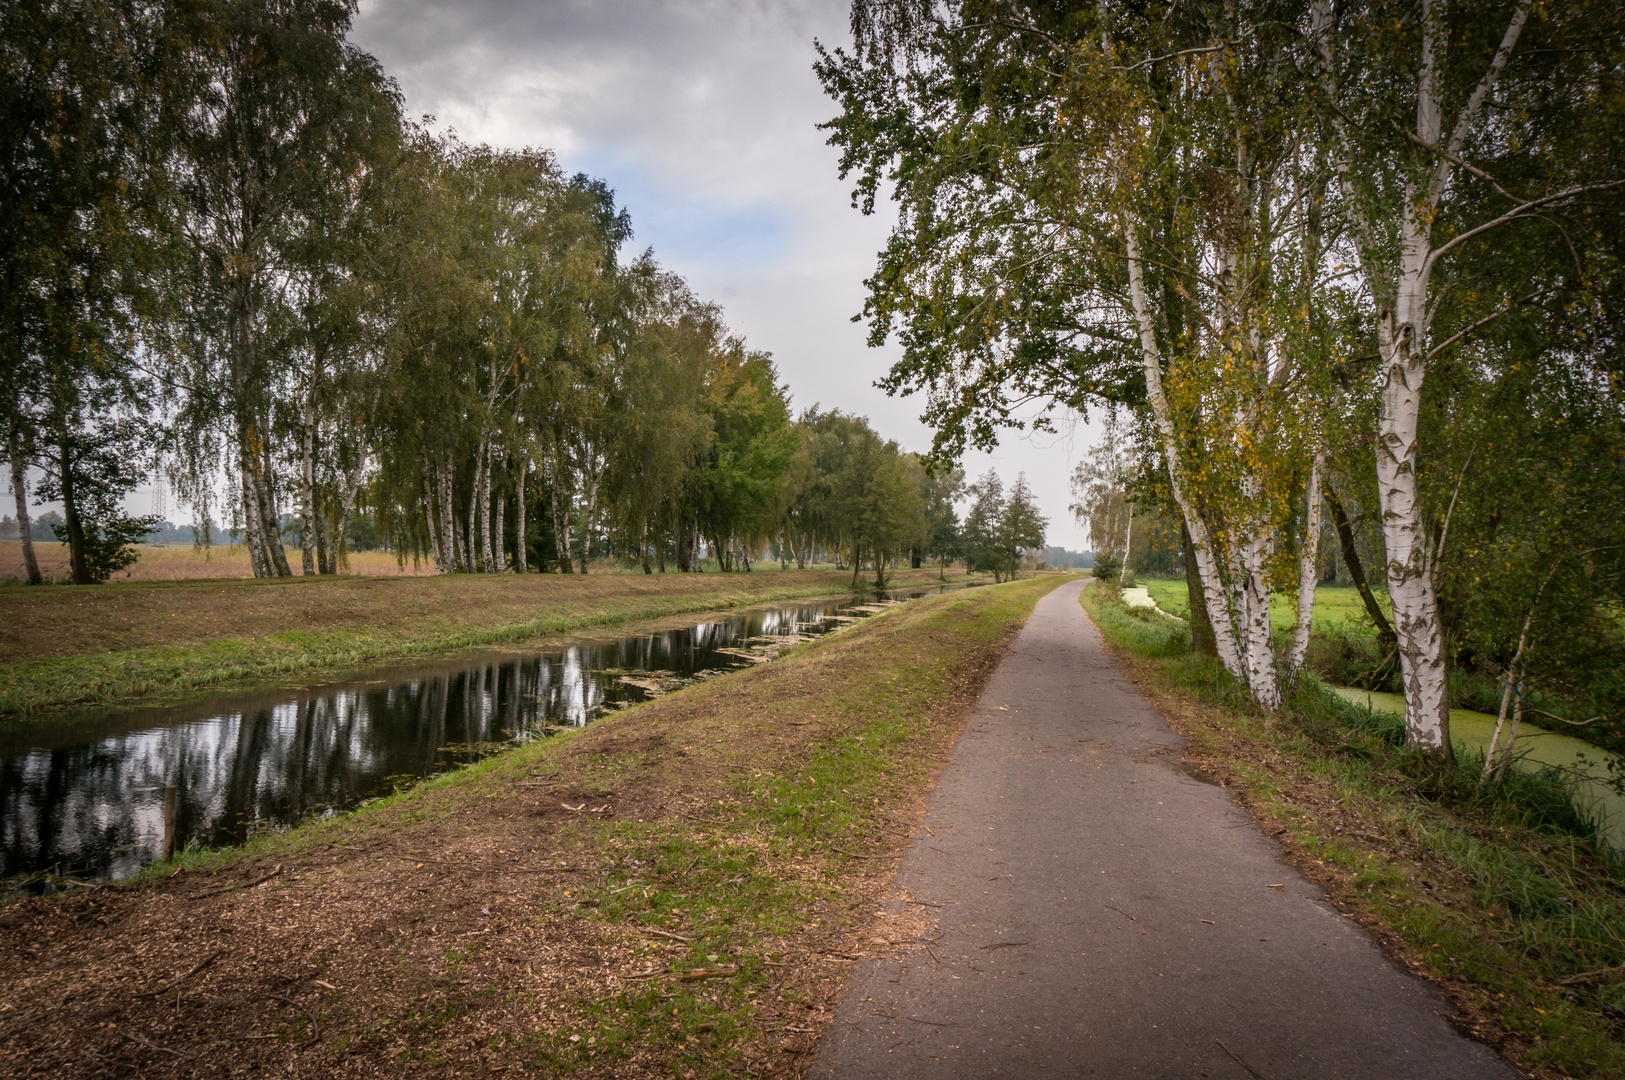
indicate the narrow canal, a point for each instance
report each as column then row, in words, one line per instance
column 84, row 799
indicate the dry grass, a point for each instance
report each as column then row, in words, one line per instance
column 538, row 912
column 68, row 645
column 182, row 562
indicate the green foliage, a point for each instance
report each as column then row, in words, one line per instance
column 109, row 543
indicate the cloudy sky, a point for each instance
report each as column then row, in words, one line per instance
column 700, row 114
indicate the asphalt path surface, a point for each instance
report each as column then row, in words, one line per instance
column 1103, row 913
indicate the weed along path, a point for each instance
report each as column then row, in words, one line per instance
column 1100, row 912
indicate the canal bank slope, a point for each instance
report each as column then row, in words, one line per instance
column 64, row 645
column 678, row 889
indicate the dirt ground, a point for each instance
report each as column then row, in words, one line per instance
column 548, row 911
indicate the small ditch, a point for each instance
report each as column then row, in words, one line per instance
column 83, row 801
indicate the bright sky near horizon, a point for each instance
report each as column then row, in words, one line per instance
column 702, row 115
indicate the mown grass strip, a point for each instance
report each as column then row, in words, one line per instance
column 31, row 690
column 1505, row 895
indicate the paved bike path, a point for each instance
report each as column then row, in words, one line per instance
column 1105, row 914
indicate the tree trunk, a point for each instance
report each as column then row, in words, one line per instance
column 685, row 548
column 561, row 522
column 1410, row 578
column 589, row 512
column 521, row 554
column 1201, row 626
column 336, row 548
column 499, row 542
column 1308, row 572
column 488, row 543
column 1128, row 546
column 1207, row 568
column 1351, row 561
column 307, row 509
column 70, row 511
column 1256, row 553
column 450, row 535
column 253, row 528
column 432, row 526
column 19, row 488
column 326, row 557
column 262, row 481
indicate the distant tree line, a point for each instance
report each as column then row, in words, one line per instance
column 227, row 253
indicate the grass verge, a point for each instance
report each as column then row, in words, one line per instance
column 675, row 891
column 1502, row 895
column 65, row 646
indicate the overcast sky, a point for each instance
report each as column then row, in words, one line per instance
column 701, row 116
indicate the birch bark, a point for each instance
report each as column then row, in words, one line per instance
column 1224, row 638
column 520, row 554
column 431, row 524
column 449, row 533
column 19, row 489
column 499, row 548
column 1308, row 572
column 1402, row 290
column 307, row 477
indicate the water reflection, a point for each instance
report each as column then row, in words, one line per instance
column 86, row 799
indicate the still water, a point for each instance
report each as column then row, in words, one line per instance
column 85, row 799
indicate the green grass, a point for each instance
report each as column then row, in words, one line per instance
column 1334, row 604
column 1504, row 893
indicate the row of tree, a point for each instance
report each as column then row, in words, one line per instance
column 1329, row 255
column 228, row 254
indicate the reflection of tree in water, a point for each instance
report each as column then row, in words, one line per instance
column 96, row 808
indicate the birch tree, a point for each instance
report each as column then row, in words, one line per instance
column 1444, row 127
column 1138, row 222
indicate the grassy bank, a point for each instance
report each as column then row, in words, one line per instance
column 1502, row 895
column 677, row 890
column 61, row 645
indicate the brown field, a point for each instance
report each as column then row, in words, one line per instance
column 183, row 562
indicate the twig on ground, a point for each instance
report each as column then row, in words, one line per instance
column 149, row 1044
column 233, row 888
column 197, row 967
column 662, row 933
column 710, row 973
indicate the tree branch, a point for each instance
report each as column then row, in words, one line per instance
column 1518, row 212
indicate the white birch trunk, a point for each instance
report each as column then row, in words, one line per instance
column 1253, row 557
column 19, row 489
column 449, row 533
column 257, row 560
column 587, row 519
column 307, row 493
column 1308, row 573
column 1402, row 333
column 431, row 524
column 1128, row 546
column 519, row 552
column 336, row 547
column 1201, row 539
column 499, row 544
column 482, row 491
